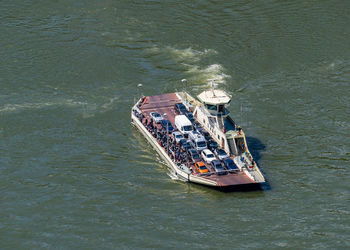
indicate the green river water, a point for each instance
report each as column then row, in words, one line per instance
column 74, row 173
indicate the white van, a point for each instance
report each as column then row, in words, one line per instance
column 183, row 124
column 197, row 141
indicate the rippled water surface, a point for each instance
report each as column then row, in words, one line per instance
column 75, row 174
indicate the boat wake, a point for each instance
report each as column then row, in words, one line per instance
column 198, row 75
column 37, row 106
column 212, row 73
column 173, row 176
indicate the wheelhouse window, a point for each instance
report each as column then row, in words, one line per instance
column 221, row 108
column 211, row 107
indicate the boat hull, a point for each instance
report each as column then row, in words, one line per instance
column 164, row 103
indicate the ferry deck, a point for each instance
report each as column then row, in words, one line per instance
column 164, row 104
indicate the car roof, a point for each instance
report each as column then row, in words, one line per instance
column 183, row 120
column 200, row 163
column 180, row 104
column 227, row 160
column 207, row 151
column 216, row 162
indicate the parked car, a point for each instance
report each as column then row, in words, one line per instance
column 197, row 126
column 200, row 166
column 197, row 141
column 182, row 141
column 219, row 169
column 185, row 144
column 166, row 125
column 183, row 125
column 207, row 155
column 206, row 135
column 180, row 108
column 212, row 145
column 194, row 155
column 177, row 136
column 156, row 117
column 220, row 154
column 230, row 165
column 190, row 116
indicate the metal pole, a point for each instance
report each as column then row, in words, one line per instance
column 139, row 86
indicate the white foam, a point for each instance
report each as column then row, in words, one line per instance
column 109, row 104
column 172, row 176
column 188, row 55
column 32, row 106
column 190, row 58
column 212, row 73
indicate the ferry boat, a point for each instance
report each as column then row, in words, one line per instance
column 177, row 124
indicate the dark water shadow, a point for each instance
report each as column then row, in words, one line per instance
column 256, row 147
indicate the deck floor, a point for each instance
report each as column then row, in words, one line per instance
column 164, row 104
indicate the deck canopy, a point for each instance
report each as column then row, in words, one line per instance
column 214, row 97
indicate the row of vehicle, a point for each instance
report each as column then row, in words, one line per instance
column 199, row 144
column 208, row 156
column 219, row 161
column 189, row 128
column 227, row 165
column 217, row 157
column 179, row 108
column 184, row 121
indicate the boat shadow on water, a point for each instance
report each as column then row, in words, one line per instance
column 256, row 147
